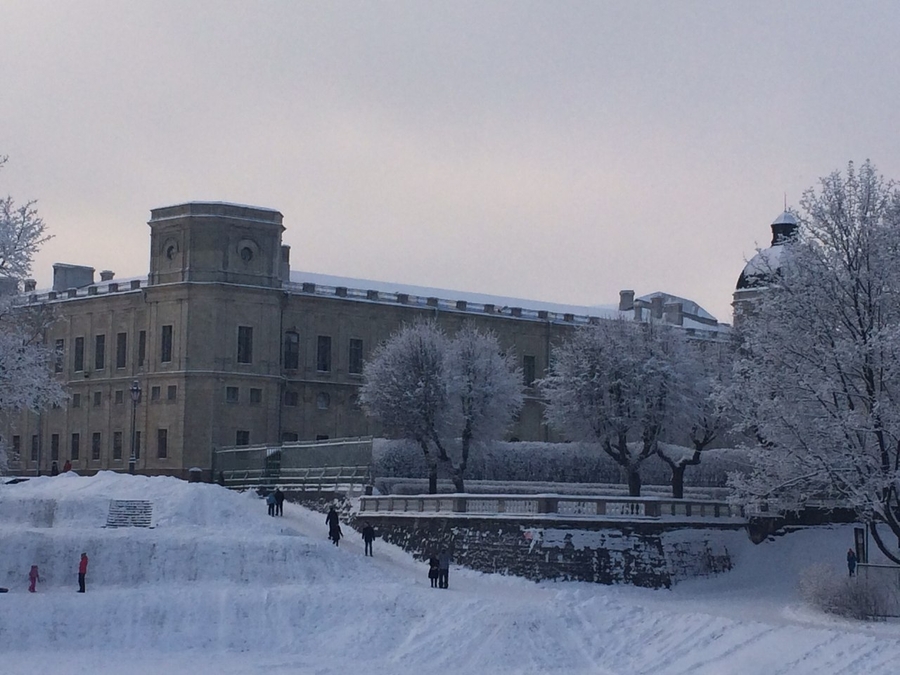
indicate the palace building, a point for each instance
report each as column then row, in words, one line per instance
column 223, row 345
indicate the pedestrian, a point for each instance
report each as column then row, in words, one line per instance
column 54, row 469
column 434, row 570
column 279, row 502
column 33, row 577
column 82, row 572
column 444, row 568
column 334, row 525
column 851, row 561
column 67, row 466
column 368, row 535
column 270, row 500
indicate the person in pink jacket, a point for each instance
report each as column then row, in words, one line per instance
column 33, row 577
column 82, row 572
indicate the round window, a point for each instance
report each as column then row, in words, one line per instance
column 246, row 254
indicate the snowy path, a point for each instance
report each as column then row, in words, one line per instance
column 219, row 587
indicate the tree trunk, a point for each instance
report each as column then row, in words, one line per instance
column 634, row 482
column 678, row 481
column 458, row 484
column 432, row 481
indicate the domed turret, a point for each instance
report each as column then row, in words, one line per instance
column 763, row 264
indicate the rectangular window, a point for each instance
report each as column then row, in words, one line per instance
column 117, row 445
column 98, row 398
column 289, row 437
column 291, row 398
column 137, row 444
column 59, row 352
column 17, row 446
column 165, row 345
column 95, row 446
column 245, row 344
column 242, row 437
column 291, row 350
column 321, row 437
column 75, row 447
column 35, row 448
column 76, row 400
column 528, row 372
column 171, row 392
column 154, row 394
column 355, row 361
column 78, row 356
column 162, row 443
column 99, row 352
column 232, row 394
column 323, row 354
column 142, row 347
column 255, row 395
column 120, row 396
column 121, row 349
column 54, row 447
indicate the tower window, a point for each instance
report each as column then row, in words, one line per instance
column 165, row 347
column 245, row 344
column 323, row 354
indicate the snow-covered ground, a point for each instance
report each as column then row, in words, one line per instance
column 220, row 587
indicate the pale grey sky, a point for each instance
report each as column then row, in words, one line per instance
column 557, row 151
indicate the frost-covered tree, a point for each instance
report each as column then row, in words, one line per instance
column 438, row 391
column 817, row 382
column 26, row 380
column 615, row 383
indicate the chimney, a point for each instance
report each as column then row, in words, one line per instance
column 30, row 285
column 656, row 307
column 285, row 263
column 674, row 312
column 626, row 301
column 107, row 275
column 67, row 276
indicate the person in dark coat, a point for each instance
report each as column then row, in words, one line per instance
column 851, row 561
column 270, row 502
column 279, row 502
column 444, row 569
column 334, row 526
column 368, row 535
column 33, row 577
column 82, row 572
column 434, row 570
column 54, row 469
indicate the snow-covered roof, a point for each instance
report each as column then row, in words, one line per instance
column 786, row 218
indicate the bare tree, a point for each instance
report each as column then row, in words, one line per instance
column 616, row 383
column 817, row 384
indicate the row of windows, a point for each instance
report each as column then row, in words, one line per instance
column 165, row 352
column 323, row 353
column 291, row 397
column 119, row 396
column 162, row 445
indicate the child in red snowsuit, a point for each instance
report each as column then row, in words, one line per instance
column 33, row 577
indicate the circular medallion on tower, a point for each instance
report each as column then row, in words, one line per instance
column 247, row 250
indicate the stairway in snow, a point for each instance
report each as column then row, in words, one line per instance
column 129, row 513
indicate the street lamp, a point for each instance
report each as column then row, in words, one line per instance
column 135, row 399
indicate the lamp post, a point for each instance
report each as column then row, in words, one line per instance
column 135, row 399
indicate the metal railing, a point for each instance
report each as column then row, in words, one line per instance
column 627, row 508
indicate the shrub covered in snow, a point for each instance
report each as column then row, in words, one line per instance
column 849, row 597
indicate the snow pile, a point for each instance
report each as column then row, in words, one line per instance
column 219, row 587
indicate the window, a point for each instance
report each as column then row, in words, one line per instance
column 245, row 344
column 171, row 392
column 99, row 352
column 291, row 398
column 528, row 370
column 232, row 394
column 35, row 448
column 323, row 354
column 291, row 350
column 355, row 361
column 98, row 398
column 75, row 447
column 242, row 437
column 59, row 351
column 142, row 347
column 323, row 401
column 321, row 437
column 120, row 396
column 137, row 444
column 255, row 395
column 121, row 349
column 54, row 447
column 165, row 346
column 17, row 446
column 154, row 394
column 162, row 443
column 117, row 445
column 289, row 437
column 78, row 356
column 95, row 446
column 76, row 400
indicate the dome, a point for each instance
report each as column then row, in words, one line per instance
column 766, row 262
column 786, row 218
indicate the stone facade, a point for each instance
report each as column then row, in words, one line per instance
column 227, row 350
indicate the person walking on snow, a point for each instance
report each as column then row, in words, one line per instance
column 444, row 569
column 270, row 500
column 368, row 535
column 334, row 526
column 279, row 502
column 434, row 570
column 67, row 466
column 33, row 577
column 82, row 572
column 851, row 561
